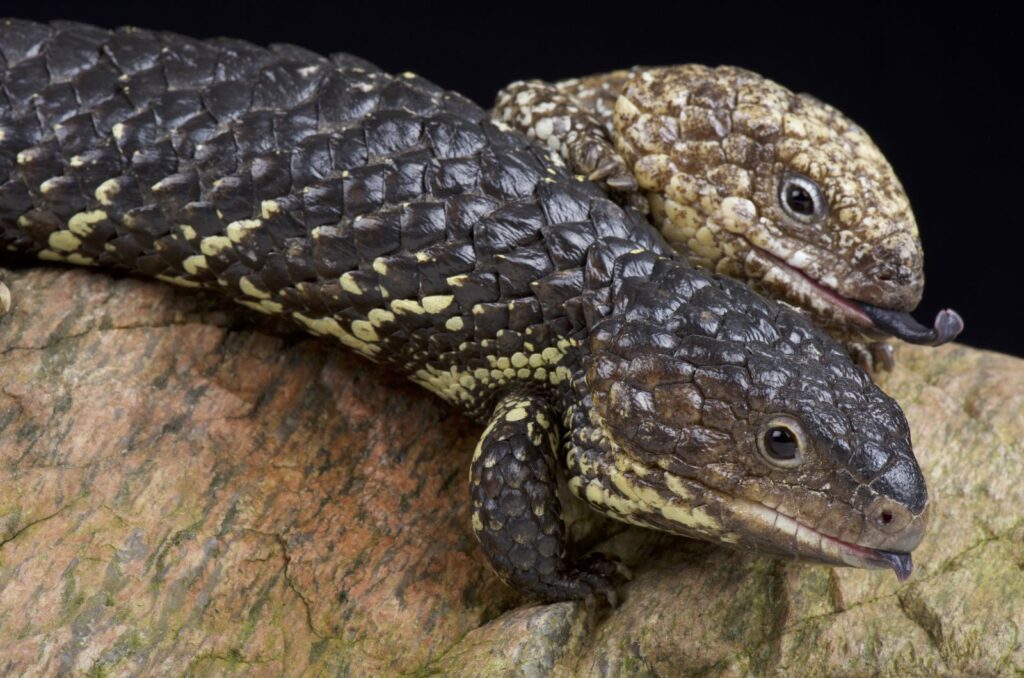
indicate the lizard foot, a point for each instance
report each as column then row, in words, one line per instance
column 877, row 356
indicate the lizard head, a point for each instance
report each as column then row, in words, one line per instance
column 718, row 415
column 778, row 188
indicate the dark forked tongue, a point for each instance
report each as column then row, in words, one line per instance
column 900, row 563
column 902, row 325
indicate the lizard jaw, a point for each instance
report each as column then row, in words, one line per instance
column 826, row 547
column 947, row 325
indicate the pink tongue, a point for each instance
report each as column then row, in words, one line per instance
column 900, row 563
column 902, row 325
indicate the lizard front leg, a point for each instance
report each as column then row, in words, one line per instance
column 573, row 129
column 517, row 515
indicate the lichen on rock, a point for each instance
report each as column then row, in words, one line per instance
column 187, row 489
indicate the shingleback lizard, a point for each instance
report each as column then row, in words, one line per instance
column 752, row 181
column 388, row 214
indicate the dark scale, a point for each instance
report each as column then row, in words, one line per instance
column 391, row 215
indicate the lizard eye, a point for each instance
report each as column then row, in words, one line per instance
column 801, row 198
column 781, row 442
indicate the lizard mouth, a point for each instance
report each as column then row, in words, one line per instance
column 900, row 324
column 811, row 543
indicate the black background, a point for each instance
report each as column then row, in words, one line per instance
column 939, row 91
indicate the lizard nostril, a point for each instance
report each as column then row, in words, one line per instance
column 889, row 516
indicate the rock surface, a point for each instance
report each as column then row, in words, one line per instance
column 186, row 489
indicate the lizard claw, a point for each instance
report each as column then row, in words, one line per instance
column 883, row 355
column 597, row 573
column 875, row 357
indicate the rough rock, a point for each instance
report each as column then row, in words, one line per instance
column 187, row 489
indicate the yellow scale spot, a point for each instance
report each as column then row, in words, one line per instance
column 435, row 304
column 268, row 208
column 254, row 305
column 364, row 330
column 188, row 232
column 214, row 244
column 453, row 324
column 330, row 326
column 407, row 306
column 551, row 355
column 49, row 185
column 194, row 263
column 349, row 284
column 64, row 241
column 175, row 280
column 456, row 280
column 272, row 307
column 78, row 259
column 696, row 518
column 251, row 290
column 162, row 185
column 81, row 224
column 595, row 494
column 380, row 266
column 236, row 230
column 560, row 374
column 516, row 414
column 379, row 316
column 446, row 384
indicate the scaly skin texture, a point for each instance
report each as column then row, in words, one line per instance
column 392, row 216
column 709, row 151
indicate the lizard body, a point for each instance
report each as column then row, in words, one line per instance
column 387, row 214
column 750, row 180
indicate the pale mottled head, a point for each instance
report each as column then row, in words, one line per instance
column 764, row 184
column 718, row 415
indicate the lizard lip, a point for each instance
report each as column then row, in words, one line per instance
column 900, row 324
column 819, row 545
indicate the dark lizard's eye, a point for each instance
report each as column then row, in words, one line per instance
column 801, row 198
column 781, row 442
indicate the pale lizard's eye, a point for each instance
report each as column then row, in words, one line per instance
column 781, row 442
column 801, row 198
